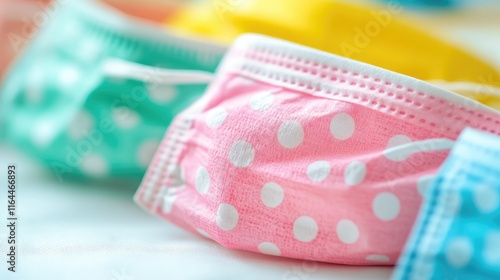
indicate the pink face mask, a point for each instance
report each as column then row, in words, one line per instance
column 299, row 153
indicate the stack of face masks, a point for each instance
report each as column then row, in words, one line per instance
column 309, row 152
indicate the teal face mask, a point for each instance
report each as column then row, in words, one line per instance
column 62, row 104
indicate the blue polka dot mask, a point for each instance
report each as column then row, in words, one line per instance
column 457, row 233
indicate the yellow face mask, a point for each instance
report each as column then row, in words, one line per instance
column 377, row 35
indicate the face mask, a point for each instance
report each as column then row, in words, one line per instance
column 299, row 153
column 377, row 35
column 65, row 103
column 457, row 233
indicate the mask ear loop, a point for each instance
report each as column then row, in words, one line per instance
column 118, row 68
column 401, row 152
column 428, row 145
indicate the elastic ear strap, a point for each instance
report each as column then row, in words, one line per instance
column 119, row 68
column 428, row 145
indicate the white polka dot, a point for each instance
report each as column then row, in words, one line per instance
column 203, row 233
column 162, row 94
column 342, row 126
column 269, row 248
column 458, row 252
column 491, row 249
column 202, row 181
column 305, row 229
column 94, row 165
column 386, row 206
column 146, row 152
column 347, row 231
column 355, row 173
column 227, row 217
column 272, row 194
column 125, row 118
column 216, row 117
column 398, row 140
column 399, row 154
column 486, row 198
column 169, row 197
column 290, row 134
column 261, row 101
column 241, row 154
column 423, row 183
column 90, row 50
column 378, row 258
column 81, row 124
column 44, row 133
column 318, row 171
column 68, row 76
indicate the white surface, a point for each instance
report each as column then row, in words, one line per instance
column 72, row 230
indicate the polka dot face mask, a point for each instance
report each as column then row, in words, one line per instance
column 457, row 233
column 299, row 153
column 63, row 103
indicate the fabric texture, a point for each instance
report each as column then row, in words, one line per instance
column 113, row 239
column 299, row 153
column 457, row 233
column 368, row 33
column 59, row 105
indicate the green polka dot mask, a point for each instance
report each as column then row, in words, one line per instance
column 61, row 104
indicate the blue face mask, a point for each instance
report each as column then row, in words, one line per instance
column 457, row 233
column 88, row 97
